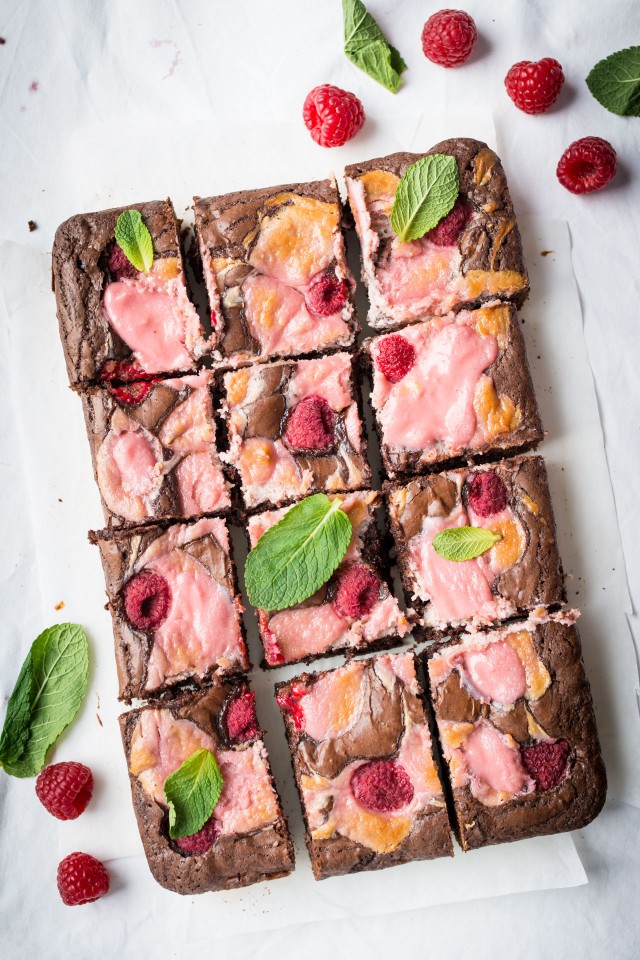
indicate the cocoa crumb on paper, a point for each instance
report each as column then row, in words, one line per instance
column 32, row 225
column 59, row 606
column 545, row 253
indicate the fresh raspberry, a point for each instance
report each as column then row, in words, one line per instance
column 332, row 115
column 240, row 717
column 546, row 762
column 587, row 165
column 357, row 591
column 446, row 233
column 534, row 85
column 382, row 785
column 65, row 789
column 326, row 294
column 82, row 879
column 448, row 37
column 273, row 653
column 201, row 841
column 289, row 702
column 115, row 371
column 147, row 599
column 119, row 267
column 395, row 357
column 486, row 494
column 311, row 425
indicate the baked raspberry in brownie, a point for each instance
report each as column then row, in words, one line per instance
column 276, row 273
column 452, row 388
column 473, row 255
column 364, row 766
column 517, row 730
column 294, row 428
column 354, row 611
column 175, row 606
column 246, row 840
column 519, row 572
column 115, row 322
column 154, row 449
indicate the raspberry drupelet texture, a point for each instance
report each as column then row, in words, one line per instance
column 382, row 785
column 486, row 494
column 534, row 85
column 114, row 372
column 448, row 37
column 357, row 591
column 120, row 267
column 82, row 879
column 587, row 165
column 65, row 789
column 332, row 115
column 147, row 600
column 326, row 294
column 289, row 701
column 395, row 357
column 241, row 720
column 311, row 425
column 546, row 762
column 201, row 841
column 446, row 233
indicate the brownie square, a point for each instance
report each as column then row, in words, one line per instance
column 452, row 388
column 473, row 256
column 518, row 732
column 247, row 839
column 154, row 450
column 276, row 273
column 364, row 766
column 353, row 612
column 175, row 606
column 518, row 573
column 116, row 323
column 294, row 428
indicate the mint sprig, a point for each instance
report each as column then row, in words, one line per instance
column 296, row 556
column 134, row 239
column 464, row 543
column 615, row 82
column 366, row 47
column 192, row 792
column 426, row 193
column 47, row 695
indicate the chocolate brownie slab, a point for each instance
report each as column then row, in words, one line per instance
column 364, row 766
column 519, row 572
column 518, row 732
column 247, row 839
column 294, row 428
column 472, row 256
column 115, row 322
column 175, row 606
column 276, row 273
column 353, row 612
column 154, row 450
column 452, row 388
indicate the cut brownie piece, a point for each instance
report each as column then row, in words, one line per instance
column 247, row 839
column 116, row 323
column 517, row 731
column 473, row 255
column 276, row 273
column 452, row 388
column 295, row 429
column 154, row 450
column 518, row 573
column 176, row 611
column 364, row 766
column 354, row 611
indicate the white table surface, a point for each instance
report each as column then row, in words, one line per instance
column 177, row 61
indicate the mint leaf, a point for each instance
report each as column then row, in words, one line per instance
column 464, row 543
column 615, row 82
column 296, row 556
column 134, row 239
column 192, row 792
column 426, row 193
column 366, row 47
column 58, row 665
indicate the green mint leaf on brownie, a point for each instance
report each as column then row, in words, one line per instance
column 134, row 239
column 296, row 556
column 426, row 193
column 192, row 792
column 464, row 543
column 615, row 82
column 366, row 47
column 48, row 693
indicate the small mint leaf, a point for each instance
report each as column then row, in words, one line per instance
column 366, row 47
column 464, row 543
column 426, row 193
column 615, row 82
column 298, row 554
column 192, row 792
column 134, row 239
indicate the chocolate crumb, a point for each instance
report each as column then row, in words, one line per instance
column 545, row 253
column 32, row 225
column 2, row 41
column 59, row 606
column 99, row 720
